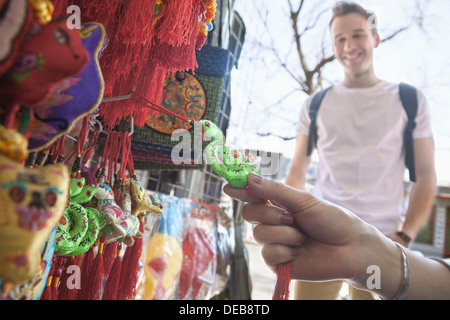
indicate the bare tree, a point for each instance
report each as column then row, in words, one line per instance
column 302, row 62
column 310, row 75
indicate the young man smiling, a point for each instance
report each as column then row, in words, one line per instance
column 360, row 145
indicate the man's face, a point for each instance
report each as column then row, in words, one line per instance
column 353, row 43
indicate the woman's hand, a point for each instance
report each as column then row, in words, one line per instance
column 324, row 240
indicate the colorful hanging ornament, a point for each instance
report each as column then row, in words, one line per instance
column 74, row 225
column 51, row 53
column 117, row 226
column 124, row 60
column 125, row 204
column 142, row 200
column 33, row 201
column 231, row 164
column 74, row 97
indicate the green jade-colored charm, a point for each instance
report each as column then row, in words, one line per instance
column 232, row 164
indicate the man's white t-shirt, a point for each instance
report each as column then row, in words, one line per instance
column 360, row 148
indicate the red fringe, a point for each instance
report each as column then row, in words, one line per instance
column 157, row 108
column 47, row 293
column 85, row 272
column 175, row 58
column 96, row 274
column 124, row 61
column 112, row 284
column 283, row 281
column 150, row 85
column 201, row 39
column 62, row 288
column 109, row 254
column 179, row 22
column 129, row 271
column 64, row 293
column 52, row 288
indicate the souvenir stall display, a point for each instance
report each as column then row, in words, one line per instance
column 74, row 229
column 196, row 95
column 181, row 254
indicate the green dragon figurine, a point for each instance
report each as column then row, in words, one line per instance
column 232, row 164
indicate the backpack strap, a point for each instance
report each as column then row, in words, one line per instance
column 408, row 96
column 313, row 109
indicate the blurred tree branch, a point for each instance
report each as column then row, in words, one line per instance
column 307, row 67
column 310, row 78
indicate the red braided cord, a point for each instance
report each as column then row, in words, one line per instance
column 162, row 109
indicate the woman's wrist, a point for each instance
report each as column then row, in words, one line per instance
column 405, row 269
column 381, row 267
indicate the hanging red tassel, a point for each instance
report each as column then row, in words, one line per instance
column 76, row 167
column 47, row 293
column 283, row 281
column 96, row 274
column 85, row 272
column 109, row 254
column 177, row 25
column 151, row 86
column 112, row 284
column 63, row 289
column 73, row 293
column 129, row 272
column 125, row 63
column 64, row 292
column 151, row 106
column 51, row 289
column 175, row 58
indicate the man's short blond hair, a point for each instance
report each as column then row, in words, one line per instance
column 343, row 8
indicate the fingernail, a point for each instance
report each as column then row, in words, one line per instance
column 286, row 218
column 256, row 178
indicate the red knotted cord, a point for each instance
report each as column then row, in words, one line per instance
column 114, row 141
column 92, row 143
column 131, row 172
column 76, row 167
column 126, row 151
column 155, row 107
